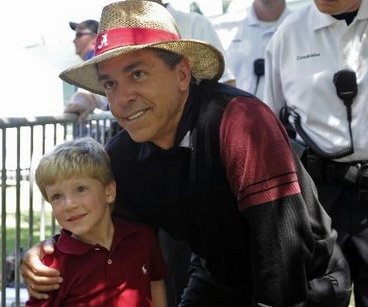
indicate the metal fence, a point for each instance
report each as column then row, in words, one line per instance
column 25, row 218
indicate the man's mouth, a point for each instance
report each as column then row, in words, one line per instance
column 135, row 115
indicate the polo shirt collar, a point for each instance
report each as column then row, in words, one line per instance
column 89, row 55
column 320, row 20
column 72, row 246
column 253, row 20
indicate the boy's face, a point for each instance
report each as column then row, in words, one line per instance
column 81, row 205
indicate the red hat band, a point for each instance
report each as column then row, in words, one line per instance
column 115, row 38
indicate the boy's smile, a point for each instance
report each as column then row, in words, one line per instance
column 81, row 205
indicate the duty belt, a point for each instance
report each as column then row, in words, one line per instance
column 323, row 170
column 328, row 171
column 347, row 172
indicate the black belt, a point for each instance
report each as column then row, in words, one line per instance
column 327, row 171
column 323, row 170
column 338, row 171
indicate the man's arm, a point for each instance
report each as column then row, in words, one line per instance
column 261, row 171
column 38, row 277
column 84, row 103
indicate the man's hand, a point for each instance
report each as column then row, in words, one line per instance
column 82, row 103
column 38, row 277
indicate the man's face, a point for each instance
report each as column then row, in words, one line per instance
column 84, row 41
column 271, row 2
column 146, row 96
column 335, row 7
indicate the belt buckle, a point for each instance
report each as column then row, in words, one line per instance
column 352, row 174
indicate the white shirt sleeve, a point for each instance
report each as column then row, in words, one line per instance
column 273, row 95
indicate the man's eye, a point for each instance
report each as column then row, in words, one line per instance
column 138, row 74
column 108, row 85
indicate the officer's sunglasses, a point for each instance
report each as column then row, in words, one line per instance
column 80, row 34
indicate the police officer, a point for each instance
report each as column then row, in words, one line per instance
column 317, row 81
column 245, row 34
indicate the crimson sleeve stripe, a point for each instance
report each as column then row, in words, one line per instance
column 269, row 183
column 248, row 200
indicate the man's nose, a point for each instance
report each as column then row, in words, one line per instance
column 123, row 97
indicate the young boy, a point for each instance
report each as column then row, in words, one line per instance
column 103, row 261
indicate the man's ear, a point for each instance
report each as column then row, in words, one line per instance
column 184, row 74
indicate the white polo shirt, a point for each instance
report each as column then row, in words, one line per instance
column 245, row 38
column 301, row 60
column 195, row 26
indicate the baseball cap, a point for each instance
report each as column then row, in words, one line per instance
column 90, row 24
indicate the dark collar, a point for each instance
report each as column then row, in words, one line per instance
column 348, row 17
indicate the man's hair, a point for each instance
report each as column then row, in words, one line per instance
column 79, row 158
column 170, row 58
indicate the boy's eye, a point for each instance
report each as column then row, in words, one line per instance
column 55, row 197
column 81, row 189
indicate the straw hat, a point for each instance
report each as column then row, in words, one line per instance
column 132, row 25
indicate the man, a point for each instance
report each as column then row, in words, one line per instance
column 317, row 80
column 193, row 26
column 85, row 37
column 245, row 35
column 190, row 25
column 84, row 102
column 197, row 159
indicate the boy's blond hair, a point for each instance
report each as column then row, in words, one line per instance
column 81, row 158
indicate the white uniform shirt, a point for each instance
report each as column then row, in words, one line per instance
column 301, row 60
column 196, row 26
column 245, row 38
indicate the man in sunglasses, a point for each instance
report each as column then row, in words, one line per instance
column 85, row 36
column 84, row 102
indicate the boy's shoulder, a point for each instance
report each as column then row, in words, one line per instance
column 125, row 227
